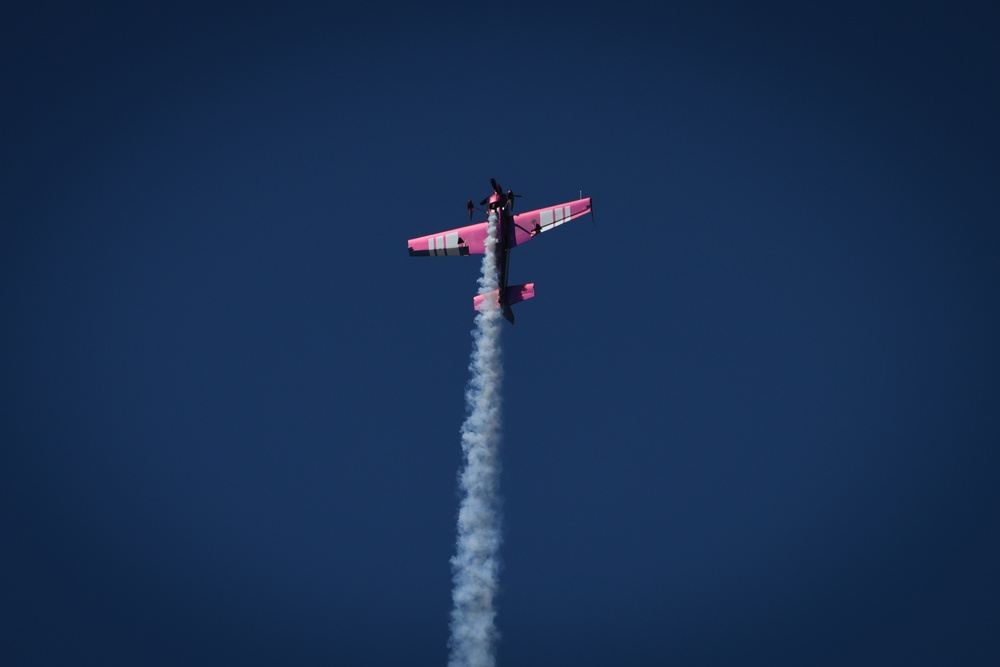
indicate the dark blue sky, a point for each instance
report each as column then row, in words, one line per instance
column 751, row 417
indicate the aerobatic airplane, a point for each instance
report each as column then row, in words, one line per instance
column 513, row 230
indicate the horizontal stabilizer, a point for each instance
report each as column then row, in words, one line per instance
column 515, row 294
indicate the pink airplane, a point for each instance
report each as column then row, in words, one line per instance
column 514, row 230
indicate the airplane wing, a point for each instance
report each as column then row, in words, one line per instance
column 469, row 240
column 531, row 223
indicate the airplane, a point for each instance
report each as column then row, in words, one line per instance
column 513, row 230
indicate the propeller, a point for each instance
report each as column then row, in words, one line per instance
column 504, row 199
column 497, row 189
column 510, row 198
column 469, row 204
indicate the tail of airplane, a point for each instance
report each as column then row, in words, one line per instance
column 507, row 312
column 514, row 294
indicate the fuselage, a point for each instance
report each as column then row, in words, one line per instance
column 502, row 205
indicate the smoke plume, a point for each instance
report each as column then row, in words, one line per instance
column 476, row 564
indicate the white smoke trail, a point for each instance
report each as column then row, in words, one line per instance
column 476, row 564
